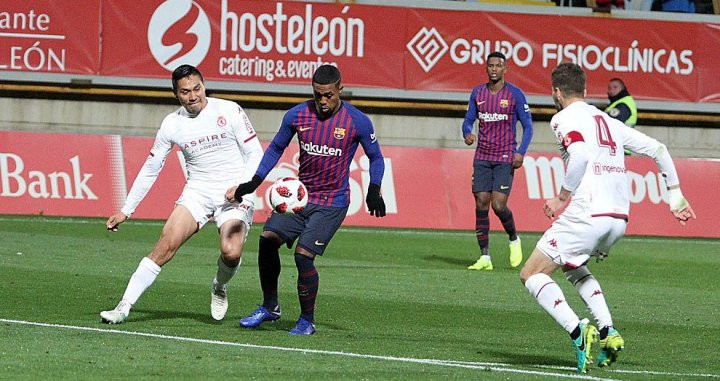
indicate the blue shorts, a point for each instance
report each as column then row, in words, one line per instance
column 492, row 176
column 315, row 225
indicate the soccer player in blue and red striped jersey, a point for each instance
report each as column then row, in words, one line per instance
column 498, row 106
column 329, row 132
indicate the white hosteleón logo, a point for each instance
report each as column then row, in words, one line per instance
column 171, row 42
column 427, row 47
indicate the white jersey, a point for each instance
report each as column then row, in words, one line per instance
column 219, row 145
column 599, row 142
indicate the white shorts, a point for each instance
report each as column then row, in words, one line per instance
column 210, row 203
column 572, row 240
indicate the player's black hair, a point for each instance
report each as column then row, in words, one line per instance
column 622, row 83
column 183, row 71
column 570, row 79
column 497, row 55
column 326, row 75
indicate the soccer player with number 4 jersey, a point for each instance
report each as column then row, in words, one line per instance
column 329, row 132
column 596, row 187
column 498, row 106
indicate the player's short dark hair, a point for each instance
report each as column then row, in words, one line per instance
column 570, row 79
column 326, row 75
column 183, row 71
column 616, row 79
column 497, row 55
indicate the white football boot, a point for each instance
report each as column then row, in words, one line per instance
column 218, row 301
column 117, row 315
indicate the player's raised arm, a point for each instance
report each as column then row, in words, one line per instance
column 639, row 143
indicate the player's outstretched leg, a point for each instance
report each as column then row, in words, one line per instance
column 609, row 346
column 582, row 344
column 142, row 278
column 269, row 268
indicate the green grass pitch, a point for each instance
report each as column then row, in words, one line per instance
column 393, row 304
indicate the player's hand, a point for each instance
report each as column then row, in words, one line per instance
column 684, row 215
column 374, row 201
column 518, row 160
column 115, row 220
column 236, row 193
column 679, row 205
column 552, row 206
column 470, row 139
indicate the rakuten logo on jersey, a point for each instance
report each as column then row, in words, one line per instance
column 320, row 150
column 15, row 182
column 545, row 176
column 179, row 33
column 491, row 117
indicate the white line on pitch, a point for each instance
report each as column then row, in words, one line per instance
column 497, row 367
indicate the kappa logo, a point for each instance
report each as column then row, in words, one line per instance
column 553, row 243
column 179, row 33
column 427, row 46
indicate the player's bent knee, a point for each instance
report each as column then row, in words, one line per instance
column 577, row 274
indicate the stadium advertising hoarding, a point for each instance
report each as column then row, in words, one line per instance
column 45, row 36
column 405, row 48
column 423, row 187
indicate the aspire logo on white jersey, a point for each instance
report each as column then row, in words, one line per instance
column 185, row 45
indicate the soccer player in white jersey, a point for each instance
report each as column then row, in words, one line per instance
column 591, row 143
column 220, row 149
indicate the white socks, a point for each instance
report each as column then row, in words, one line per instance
column 225, row 273
column 589, row 289
column 141, row 279
column 552, row 300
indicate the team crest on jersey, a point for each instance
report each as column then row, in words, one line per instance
column 339, row 133
column 221, row 121
column 504, row 103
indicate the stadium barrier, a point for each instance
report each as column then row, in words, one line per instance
column 89, row 176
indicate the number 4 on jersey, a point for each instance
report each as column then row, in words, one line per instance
column 603, row 135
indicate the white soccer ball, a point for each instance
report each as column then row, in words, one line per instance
column 288, row 195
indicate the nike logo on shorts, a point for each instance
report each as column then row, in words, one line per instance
column 318, row 243
column 504, row 186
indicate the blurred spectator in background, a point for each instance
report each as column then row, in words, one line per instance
column 622, row 105
column 615, row 4
column 687, row 6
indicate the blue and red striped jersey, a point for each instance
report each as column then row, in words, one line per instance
column 497, row 115
column 327, row 147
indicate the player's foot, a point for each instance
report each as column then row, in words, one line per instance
column 583, row 344
column 116, row 315
column 303, row 327
column 260, row 315
column 218, row 301
column 609, row 347
column 516, row 255
column 484, row 263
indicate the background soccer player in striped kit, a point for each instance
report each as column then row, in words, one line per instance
column 497, row 105
column 329, row 132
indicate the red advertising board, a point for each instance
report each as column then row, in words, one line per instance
column 50, row 36
column 406, row 48
column 423, row 187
